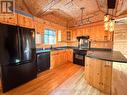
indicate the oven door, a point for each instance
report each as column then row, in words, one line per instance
column 79, row 59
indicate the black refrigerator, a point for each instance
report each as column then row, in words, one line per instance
column 17, row 56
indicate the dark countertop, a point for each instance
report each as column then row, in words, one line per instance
column 40, row 50
column 113, row 56
column 54, row 49
column 102, row 54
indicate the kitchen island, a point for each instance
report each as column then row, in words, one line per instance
column 98, row 68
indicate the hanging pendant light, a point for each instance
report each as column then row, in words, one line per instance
column 106, row 18
column 106, row 25
column 106, row 22
column 111, row 25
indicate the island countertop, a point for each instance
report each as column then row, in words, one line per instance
column 113, row 56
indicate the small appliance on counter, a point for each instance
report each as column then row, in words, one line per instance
column 80, row 52
column 83, row 42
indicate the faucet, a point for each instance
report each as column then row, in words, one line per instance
column 51, row 47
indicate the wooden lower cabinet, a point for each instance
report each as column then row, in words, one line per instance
column 53, row 59
column 69, row 55
column 59, row 57
column 98, row 73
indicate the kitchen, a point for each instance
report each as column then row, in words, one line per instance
column 63, row 47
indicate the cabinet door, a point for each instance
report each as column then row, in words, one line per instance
column 54, row 59
column 21, row 20
column 12, row 19
column 92, row 71
column 2, row 19
column 87, row 68
column 9, row 19
column 39, row 27
column 64, row 56
column 69, row 35
column 25, row 21
column 106, row 77
column 69, row 55
column 29, row 22
column 98, row 73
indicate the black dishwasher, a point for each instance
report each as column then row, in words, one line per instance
column 43, row 61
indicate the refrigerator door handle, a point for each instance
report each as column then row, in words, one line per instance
column 19, row 43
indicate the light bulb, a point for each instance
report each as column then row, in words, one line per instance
column 106, row 18
column 111, row 25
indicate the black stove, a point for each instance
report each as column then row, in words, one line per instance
column 79, row 56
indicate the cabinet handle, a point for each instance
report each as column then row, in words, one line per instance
column 107, row 64
column 10, row 18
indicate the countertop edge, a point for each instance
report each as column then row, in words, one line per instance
column 105, row 59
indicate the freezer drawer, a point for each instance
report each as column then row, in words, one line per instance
column 15, row 75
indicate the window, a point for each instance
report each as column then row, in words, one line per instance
column 59, row 36
column 49, row 36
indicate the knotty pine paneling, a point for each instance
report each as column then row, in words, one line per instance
column 120, row 38
column 98, row 36
column 119, row 83
column 43, row 24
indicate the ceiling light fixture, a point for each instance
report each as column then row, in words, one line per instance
column 82, row 10
column 109, row 23
column 106, row 18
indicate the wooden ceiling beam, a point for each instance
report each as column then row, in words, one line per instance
column 121, row 6
column 27, row 7
column 42, row 13
column 117, row 2
column 99, row 7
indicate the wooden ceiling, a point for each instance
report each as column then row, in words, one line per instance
column 69, row 10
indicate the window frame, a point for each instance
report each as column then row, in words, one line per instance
column 50, row 36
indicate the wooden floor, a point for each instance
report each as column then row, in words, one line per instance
column 67, row 79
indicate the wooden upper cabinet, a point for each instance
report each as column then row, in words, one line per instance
column 69, row 35
column 63, row 36
column 39, row 27
column 25, row 21
column 9, row 19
